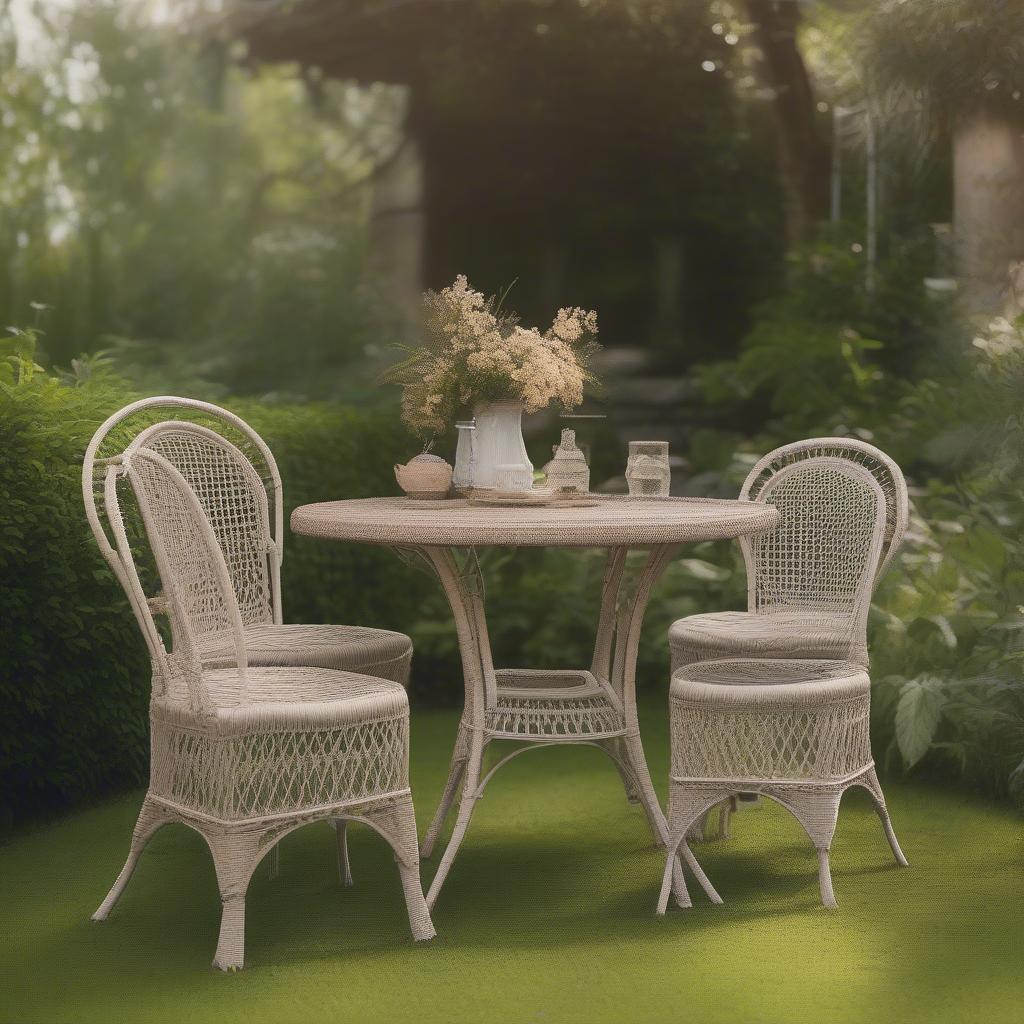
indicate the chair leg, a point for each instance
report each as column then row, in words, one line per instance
column 151, row 818
column 616, row 750
column 674, row 878
column 397, row 823
column 235, row 856
column 726, row 809
column 698, row 873
column 671, row 883
column 420, row 924
column 685, row 808
column 341, row 837
column 451, row 788
column 873, row 786
column 818, row 813
column 230, row 953
column 697, row 833
column 828, row 897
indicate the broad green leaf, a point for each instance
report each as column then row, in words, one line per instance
column 917, row 717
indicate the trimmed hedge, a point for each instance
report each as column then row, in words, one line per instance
column 74, row 674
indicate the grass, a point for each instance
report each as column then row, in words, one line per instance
column 547, row 916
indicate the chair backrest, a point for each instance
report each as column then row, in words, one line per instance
column 874, row 460
column 197, row 589
column 233, row 475
column 824, row 554
column 234, row 500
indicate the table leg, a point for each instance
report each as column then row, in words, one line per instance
column 460, row 755
column 618, row 628
column 470, row 785
column 464, row 589
column 628, row 625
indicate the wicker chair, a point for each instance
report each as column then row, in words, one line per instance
column 235, row 477
column 793, row 730
column 796, row 607
column 731, row 714
column 244, row 754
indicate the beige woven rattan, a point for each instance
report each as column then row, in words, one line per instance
column 236, row 480
column 800, row 580
column 796, row 731
column 537, row 708
column 245, row 754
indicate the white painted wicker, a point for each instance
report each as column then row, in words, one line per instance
column 800, row 581
column 235, row 477
column 796, row 731
column 245, row 754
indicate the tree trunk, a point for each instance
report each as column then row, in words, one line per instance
column 803, row 155
column 988, row 205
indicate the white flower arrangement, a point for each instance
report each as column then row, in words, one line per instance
column 475, row 353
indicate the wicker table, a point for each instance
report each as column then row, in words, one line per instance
column 594, row 706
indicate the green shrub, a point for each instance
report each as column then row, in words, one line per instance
column 73, row 678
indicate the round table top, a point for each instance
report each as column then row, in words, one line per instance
column 612, row 521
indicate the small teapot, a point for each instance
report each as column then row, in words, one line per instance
column 426, row 476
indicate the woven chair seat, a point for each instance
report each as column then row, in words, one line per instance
column 372, row 652
column 305, row 739
column 550, row 704
column 768, row 682
column 774, row 634
column 299, row 699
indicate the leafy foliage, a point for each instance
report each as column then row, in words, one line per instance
column 17, row 356
column 918, row 713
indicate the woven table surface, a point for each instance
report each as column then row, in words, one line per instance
column 613, row 521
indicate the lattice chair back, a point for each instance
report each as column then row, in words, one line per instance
column 198, row 593
column 234, row 500
column 885, row 471
column 249, row 497
column 823, row 556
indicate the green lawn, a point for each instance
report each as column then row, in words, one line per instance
column 547, row 916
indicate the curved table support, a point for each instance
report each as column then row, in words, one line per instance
column 616, row 647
